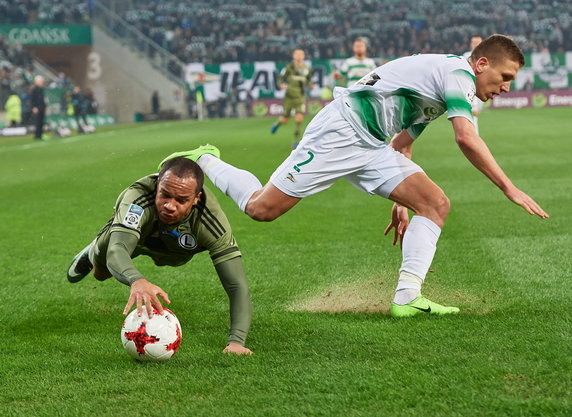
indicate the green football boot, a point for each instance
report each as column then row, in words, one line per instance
column 420, row 305
column 80, row 265
column 194, row 154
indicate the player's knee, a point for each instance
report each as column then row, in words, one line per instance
column 262, row 214
column 442, row 207
column 101, row 274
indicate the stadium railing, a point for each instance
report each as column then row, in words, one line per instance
column 126, row 34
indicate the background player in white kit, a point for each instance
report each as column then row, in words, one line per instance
column 358, row 66
column 477, row 104
column 366, row 135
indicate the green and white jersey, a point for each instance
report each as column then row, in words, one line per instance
column 205, row 229
column 297, row 78
column 354, row 69
column 407, row 93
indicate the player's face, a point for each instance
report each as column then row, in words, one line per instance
column 175, row 198
column 475, row 40
column 298, row 56
column 359, row 49
column 494, row 79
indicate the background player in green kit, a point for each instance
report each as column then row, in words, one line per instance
column 358, row 66
column 295, row 78
column 169, row 217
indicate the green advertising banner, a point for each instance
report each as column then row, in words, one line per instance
column 47, row 35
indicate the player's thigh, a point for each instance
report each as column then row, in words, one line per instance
column 328, row 150
column 300, row 109
column 384, row 172
column 288, row 105
column 269, row 203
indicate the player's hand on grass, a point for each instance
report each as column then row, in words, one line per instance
column 143, row 292
column 399, row 221
column 237, row 349
column 526, row 202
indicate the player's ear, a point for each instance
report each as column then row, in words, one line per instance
column 481, row 64
column 197, row 198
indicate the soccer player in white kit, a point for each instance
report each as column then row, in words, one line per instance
column 477, row 104
column 358, row 66
column 365, row 135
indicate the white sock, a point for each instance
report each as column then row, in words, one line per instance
column 419, row 246
column 236, row 183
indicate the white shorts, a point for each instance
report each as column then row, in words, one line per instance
column 331, row 149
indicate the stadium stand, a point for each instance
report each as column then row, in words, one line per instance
column 43, row 12
column 222, row 30
column 230, row 30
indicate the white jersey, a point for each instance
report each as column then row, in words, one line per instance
column 407, row 93
column 354, row 69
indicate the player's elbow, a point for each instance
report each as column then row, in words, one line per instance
column 465, row 140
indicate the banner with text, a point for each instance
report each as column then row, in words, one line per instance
column 534, row 99
column 47, row 35
column 260, row 79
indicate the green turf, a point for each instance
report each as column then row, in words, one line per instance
column 507, row 353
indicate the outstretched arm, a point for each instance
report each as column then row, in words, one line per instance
column 119, row 263
column 233, row 279
column 477, row 152
column 402, row 142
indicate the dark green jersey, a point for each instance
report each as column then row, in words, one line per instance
column 135, row 229
column 297, row 78
column 205, row 229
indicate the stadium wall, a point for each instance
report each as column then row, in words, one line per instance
column 123, row 82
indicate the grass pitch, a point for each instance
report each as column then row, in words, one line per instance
column 506, row 353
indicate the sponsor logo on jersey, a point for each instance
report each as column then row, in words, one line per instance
column 133, row 216
column 187, row 241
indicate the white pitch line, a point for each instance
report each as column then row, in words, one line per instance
column 78, row 138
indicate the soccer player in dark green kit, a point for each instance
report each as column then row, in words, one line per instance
column 295, row 78
column 169, row 217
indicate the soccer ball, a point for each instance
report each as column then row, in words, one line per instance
column 153, row 339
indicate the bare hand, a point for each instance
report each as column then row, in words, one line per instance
column 517, row 196
column 237, row 349
column 283, row 86
column 35, row 110
column 399, row 221
column 143, row 292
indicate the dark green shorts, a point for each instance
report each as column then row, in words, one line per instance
column 299, row 106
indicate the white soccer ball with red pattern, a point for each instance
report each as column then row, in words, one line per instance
column 153, row 339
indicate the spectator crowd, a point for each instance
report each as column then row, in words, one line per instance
column 214, row 31
column 254, row 30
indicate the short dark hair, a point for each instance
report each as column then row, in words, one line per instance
column 497, row 48
column 183, row 168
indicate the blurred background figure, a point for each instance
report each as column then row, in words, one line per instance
column 356, row 67
column 38, row 103
column 155, row 103
column 13, row 109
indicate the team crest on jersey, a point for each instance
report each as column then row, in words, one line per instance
column 471, row 94
column 430, row 113
column 133, row 216
column 187, row 241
